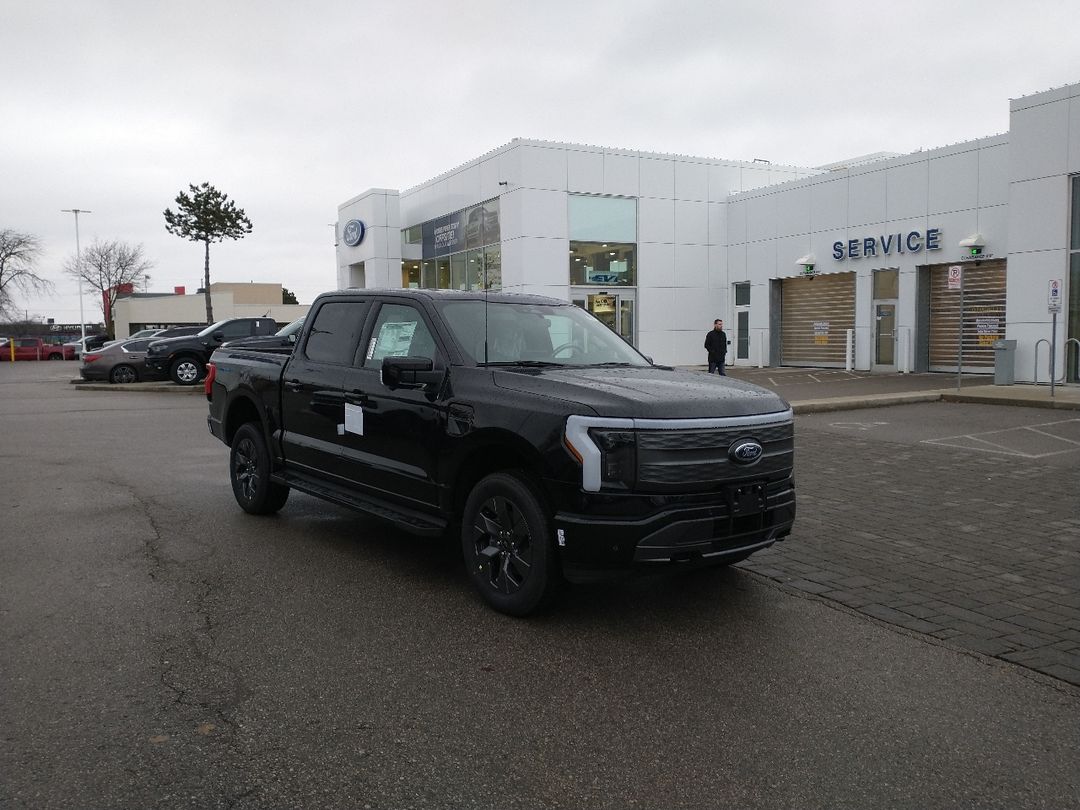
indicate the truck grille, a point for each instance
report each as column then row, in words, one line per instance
column 696, row 459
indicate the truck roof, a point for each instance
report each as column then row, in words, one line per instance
column 455, row 295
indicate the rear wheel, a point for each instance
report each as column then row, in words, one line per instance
column 186, row 371
column 56, row 357
column 249, row 472
column 506, row 540
column 123, row 374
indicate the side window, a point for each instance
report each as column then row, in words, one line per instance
column 335, row 331
column 399, row 332
column 137, row 345
column 238, row 329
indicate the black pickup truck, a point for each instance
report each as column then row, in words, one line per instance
column 184, row 358
column 522, row 424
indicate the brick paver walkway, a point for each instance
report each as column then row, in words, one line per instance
column 980, row 550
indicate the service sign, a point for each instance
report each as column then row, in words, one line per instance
column 1055, row 295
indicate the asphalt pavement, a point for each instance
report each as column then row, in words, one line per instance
column 160, row 648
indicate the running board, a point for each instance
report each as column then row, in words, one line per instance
column 410, row 520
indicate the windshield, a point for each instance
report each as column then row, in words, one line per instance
column 292, row 328
column 535, row 334
column 214, row 327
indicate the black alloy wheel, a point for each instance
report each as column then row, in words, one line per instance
column 123, row 374
column 249, row 473
column 507, row 544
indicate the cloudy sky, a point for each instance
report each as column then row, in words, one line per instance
column 292, row 108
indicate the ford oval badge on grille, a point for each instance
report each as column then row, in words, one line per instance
column 745, row 451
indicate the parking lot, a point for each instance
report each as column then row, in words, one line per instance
column 913, row 644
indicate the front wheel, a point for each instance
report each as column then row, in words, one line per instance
column 186, row 371
column 249, row 472
column 506, row 539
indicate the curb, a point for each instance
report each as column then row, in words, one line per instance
column 143, row 388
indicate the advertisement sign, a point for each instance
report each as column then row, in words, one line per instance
column 988, row 329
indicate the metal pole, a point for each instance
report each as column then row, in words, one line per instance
column 78, row 268
column 1053, row 349
column 960, row 339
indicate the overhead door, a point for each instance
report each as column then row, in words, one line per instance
column 815, row 314
column 984, row 317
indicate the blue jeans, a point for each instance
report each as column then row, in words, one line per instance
column 717, row 366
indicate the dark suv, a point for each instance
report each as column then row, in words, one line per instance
column 184, row 358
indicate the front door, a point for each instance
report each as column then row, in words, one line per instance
column 393, row 438
column 884, row 337
column 615, row 309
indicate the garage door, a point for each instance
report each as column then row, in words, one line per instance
column 815, row 314
column 984, row 317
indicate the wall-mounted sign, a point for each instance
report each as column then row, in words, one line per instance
column 956, row 277
column 821, row 333
column 354, row 232
column 911, row 242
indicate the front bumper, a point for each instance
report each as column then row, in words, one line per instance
column 728, row 527
column 157, row 364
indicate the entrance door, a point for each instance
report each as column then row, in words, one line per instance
column 615, row 309
column 884, row 337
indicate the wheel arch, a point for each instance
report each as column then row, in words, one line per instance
column 491, row 452
column 241, row 409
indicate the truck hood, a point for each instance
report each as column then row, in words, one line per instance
column 647, row 392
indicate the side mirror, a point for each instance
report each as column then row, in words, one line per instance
column 219, row 337
column 409, row 371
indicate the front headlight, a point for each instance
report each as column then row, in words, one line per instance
column 607, row 450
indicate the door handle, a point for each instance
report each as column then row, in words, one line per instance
column 294, row 385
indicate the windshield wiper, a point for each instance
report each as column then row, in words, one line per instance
column 525, row 363
column 614, row 365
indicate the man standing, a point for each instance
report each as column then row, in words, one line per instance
column 716, row 345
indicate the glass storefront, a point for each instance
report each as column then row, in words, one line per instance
column 603, row 254
column 460, row 251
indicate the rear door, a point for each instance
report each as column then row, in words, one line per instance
column 394, row 437
column 312, row 396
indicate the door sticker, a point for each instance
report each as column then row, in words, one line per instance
column 354, row 419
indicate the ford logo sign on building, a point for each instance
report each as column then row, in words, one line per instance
column 354, row 232
column 746, row 451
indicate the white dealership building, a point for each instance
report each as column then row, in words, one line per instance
column 886, row 262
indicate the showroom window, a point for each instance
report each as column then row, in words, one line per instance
column 461, row 251
column 603, row 241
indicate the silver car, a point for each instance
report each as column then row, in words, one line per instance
column 123, row 362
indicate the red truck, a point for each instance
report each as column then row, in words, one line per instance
column 31, row 348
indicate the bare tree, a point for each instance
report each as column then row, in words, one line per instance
column 19, row 253
column 107, row 267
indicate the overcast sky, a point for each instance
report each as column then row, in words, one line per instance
column 292, row 108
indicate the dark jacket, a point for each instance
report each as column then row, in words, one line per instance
column 716, row 344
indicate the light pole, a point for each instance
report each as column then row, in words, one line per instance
column 78, row 267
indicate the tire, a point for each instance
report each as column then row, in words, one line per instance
column 56, row 357
column 186, row 371
column 123, row 374
column 507, row 544
column 249, row 473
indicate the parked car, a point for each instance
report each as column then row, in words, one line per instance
column 184, row 358
column 33, row 348
column 82, row 345
column 123, row 362
column 284, row 338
